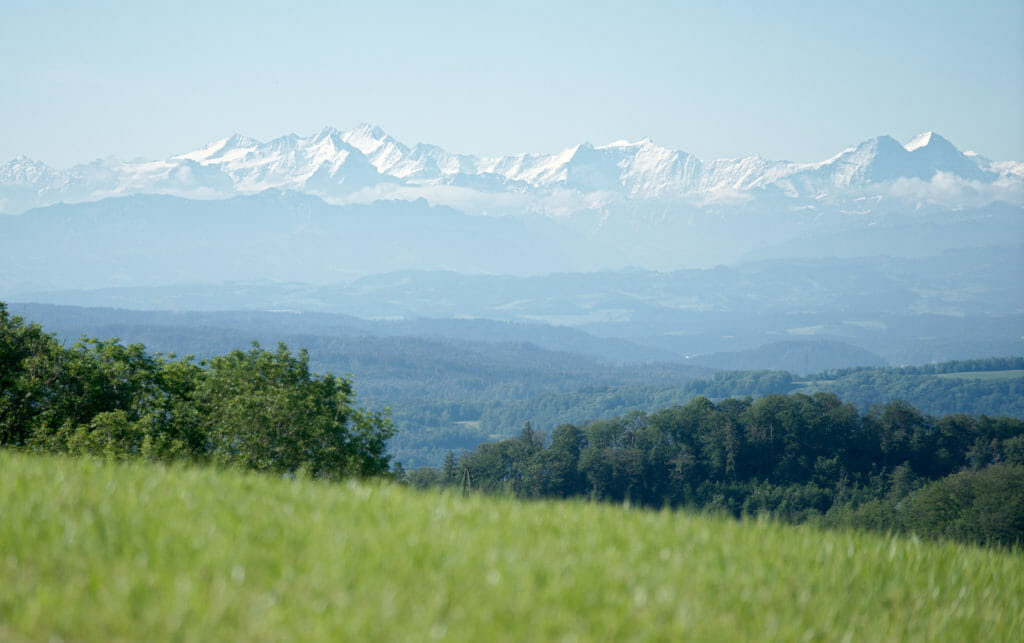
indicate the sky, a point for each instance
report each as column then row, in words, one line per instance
column 789, row 80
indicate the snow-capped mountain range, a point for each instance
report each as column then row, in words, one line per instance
column 366, row 164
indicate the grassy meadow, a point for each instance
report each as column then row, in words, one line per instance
column 91, row 550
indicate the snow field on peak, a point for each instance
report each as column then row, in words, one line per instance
column 919, row 141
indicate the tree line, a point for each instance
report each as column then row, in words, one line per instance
column 257, row 409
column 796, row 457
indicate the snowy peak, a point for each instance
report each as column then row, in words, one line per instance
column 239, row 141
column 936, row 154
column 325, row 134
column 25, row 171
column 322, row 164
column 367, row 161
column 869, row 151
column 594, row 170
column 430, row 161
column 366, row 138
column 932, row 145
column 882, row 160
column 329, row 143
column 383, row 151
column 875, row 160
column 281, row 145
column 922, row 140
column 638, row 169
column 232, row 147
column 623, row 143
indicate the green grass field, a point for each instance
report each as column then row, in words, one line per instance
column 97, row 551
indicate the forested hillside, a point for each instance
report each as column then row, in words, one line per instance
column 993, row 386
column 794, row 457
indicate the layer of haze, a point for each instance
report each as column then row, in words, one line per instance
column 785, row 80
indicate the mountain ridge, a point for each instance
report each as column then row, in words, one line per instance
column 366, row 163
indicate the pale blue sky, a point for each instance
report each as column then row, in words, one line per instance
column 786, row 79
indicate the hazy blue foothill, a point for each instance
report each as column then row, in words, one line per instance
column 960, row 304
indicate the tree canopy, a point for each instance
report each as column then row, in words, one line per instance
column 796, row 457
column 256, row 409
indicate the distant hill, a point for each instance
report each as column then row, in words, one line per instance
column 71, row 321
column 958, row 304
column 800, row 357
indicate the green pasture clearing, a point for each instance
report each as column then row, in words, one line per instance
column 98, row 551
